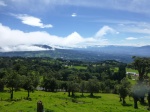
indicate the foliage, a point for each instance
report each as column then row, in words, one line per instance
column 93, row 86
column 31, row 81
column 2, row 81
column 142, row 64
column 124, row 89
column 13, row 81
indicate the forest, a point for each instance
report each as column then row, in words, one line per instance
column 72, row 77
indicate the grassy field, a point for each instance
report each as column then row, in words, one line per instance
column 60, row 102
column 77, row 67
column 131, row 70
column 133, row 82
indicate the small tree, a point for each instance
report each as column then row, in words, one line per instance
column 124, row 89
column 72, row 87
column 82, row 87
column 135, row 95
column 31, row 81
column 53, row 84
column 72, row 84
column 122, row 72
column 49, row 82
column 93, row 86
column 13, row 81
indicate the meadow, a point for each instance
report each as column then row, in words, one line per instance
column 60, row 102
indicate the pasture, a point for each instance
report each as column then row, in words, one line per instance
column 60, row 102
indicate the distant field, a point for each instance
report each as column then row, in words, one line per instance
column 60, row 102
column 135, row 71
column 77, row 67
column 131, row 70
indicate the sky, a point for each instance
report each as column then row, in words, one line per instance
column 73, row 23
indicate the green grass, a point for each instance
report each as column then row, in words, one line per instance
column 77, row 67
column 131, row 70
column 133, row 82
column 60, row 102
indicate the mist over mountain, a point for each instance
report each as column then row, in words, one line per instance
column 91, row 53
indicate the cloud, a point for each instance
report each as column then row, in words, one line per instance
column 2, row 3
column 17, row 40
column 21, row 48
column 73, row 39
column 74, row 15
column 138, row 6
column 12, row 40
column 104, row 30
column 32, row 21
column 131, row 38
column 134, row 27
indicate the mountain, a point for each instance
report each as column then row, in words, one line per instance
column 126, row 50
column 43, row 46
column 91, row 53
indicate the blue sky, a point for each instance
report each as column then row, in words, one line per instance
column 73, row 23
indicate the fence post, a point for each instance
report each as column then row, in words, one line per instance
column 39, row 106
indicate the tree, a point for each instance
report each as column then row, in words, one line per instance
column 142, row 65
column 82, row 87
column 72, row 84
column 31, row 81
column 63, row 85
column 135, row 95
column 122, row 71
column 53, row 84
column 50, row 83
column 2, row 81
column 93, row 86
column 72, row 87
column 124, row 89
column 13, row 81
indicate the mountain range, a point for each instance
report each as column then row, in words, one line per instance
column 90, row 53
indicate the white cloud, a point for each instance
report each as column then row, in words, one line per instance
column 21, row 48
column 2, row 3
column 18, row 40
column 131, row 38
column 74, row 15
column 103, row 31
column 73, row 39
column 140, row 6
column 32, row 21
column 134, row 27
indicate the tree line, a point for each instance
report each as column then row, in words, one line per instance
column 54, row 74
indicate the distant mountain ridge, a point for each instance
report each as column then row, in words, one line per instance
column 91, row 53
column 128, row 50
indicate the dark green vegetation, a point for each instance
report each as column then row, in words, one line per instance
column 93, row 86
